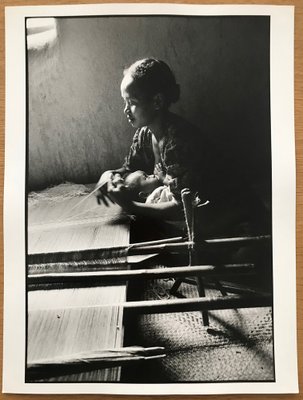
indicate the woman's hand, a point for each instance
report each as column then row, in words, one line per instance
column 119, row 194
column 102, row 195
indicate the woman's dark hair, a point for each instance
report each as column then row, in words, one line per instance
column 154, row 76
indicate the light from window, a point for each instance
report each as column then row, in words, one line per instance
column 41, row 32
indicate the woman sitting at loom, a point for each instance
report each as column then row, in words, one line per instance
column 162, row 138
column 187, row 160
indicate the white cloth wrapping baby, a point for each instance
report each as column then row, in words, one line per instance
column 162, row 194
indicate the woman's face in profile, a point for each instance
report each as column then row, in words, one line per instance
column 138, row 109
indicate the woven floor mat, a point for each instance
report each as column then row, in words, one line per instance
column 237, row 345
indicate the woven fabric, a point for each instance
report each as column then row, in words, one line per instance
column 236, row 346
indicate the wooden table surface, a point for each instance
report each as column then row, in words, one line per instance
column 299, row 150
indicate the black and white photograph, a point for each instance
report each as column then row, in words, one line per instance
column 148, row 199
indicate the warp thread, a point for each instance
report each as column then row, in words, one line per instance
column 54, row 194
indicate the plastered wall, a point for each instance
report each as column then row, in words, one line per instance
column 76, row 126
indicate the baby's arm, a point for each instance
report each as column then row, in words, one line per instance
column 158, row 170
column 164, row 178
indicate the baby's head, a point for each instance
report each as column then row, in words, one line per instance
column 150, row 77
column 141, row 184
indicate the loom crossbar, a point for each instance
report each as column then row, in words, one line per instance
column 76, row 267
column 116, row 252
column 198, row 304
column 103, row 277
column 76, row 256
column 232, row 301
column 238, row 240
column 80, row 362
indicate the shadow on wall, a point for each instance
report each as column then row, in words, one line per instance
column 76, row 124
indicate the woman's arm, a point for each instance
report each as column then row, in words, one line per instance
column 140, row 157
column 167, row 210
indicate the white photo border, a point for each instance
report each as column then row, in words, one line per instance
column 283, row 199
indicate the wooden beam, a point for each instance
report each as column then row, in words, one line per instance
column 108, row 254
column 88, row 266
column 76, row 363
column 120, row 252
column 155, row 242
column 183, row 305
column 240, row 240
column 197, row 304
column 103, row 277
column 235, row 288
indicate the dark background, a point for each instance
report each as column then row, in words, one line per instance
column 76, row 124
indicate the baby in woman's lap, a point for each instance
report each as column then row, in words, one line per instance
column 151, row 189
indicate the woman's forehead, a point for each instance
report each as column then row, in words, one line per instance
column 129, row 87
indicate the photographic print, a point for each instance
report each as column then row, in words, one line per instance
column 149, row 207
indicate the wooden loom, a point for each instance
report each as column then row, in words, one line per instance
column 77, row 283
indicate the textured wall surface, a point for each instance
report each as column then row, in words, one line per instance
column 76, row 124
